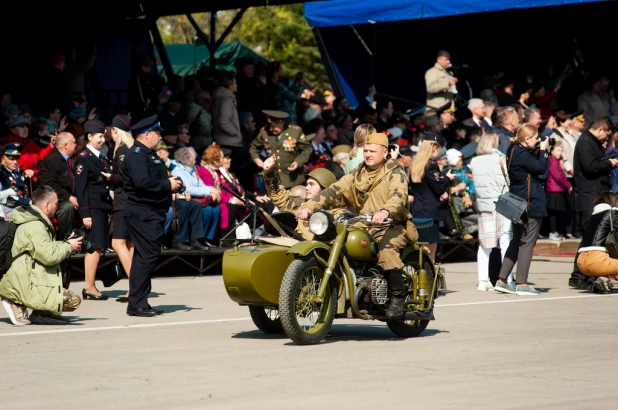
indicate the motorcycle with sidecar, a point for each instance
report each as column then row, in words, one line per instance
column 299, row 287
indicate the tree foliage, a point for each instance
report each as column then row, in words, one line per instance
column 278, row 33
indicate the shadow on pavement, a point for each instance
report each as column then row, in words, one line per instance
column 175, row 308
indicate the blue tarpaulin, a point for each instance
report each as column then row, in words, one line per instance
column 391, row 43
column 345, row 12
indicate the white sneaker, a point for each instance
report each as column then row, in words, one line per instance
column 484, row 286
column 18, row 314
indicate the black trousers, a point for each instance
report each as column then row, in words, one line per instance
column 65, row 215
column 585, row 218
column 146, row 229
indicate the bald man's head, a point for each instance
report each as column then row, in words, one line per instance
column 65, row 143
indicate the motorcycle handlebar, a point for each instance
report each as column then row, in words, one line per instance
column 366, row 218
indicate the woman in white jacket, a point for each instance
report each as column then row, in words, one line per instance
column 490, row 181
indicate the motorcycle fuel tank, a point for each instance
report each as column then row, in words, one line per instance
column 361, row 246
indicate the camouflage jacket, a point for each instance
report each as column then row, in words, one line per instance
column 368, row 191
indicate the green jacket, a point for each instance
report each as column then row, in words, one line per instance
column 36, row 283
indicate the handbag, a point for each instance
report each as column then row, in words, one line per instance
column 202, row 200
column 611, row 242
column 511, row 206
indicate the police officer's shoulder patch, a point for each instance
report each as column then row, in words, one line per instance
column 79, row 169
column 436, row 175
column 121, row 158
column 84, row 153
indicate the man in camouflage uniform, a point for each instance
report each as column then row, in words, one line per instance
column 380, row 187
column 317, row 180
column 290, row 146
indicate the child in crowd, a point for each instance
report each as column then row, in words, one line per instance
column 558, row 188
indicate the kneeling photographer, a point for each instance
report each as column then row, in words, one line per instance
column 34, row 279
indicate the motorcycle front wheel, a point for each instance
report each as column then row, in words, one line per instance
column 266, row 318
column 413, row 328
column 303, row 320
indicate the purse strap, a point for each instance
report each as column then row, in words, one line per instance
column 508, row 168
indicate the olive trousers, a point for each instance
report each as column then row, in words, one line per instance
column 391, row 240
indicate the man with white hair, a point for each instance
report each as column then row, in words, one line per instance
column 477, row 108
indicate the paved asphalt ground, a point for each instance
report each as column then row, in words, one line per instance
column 484, row 351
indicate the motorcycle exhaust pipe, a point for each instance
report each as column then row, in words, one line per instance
column 419, row 315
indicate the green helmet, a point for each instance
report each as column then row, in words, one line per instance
column 324, row 177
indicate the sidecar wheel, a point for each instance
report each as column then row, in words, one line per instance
column 303, row 321
column 413, row 328
column 266, row 318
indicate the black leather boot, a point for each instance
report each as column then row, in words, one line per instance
column 396, row 291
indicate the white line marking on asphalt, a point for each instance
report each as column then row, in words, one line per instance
column 136, row 326
column 237, row 319
column 531, row 299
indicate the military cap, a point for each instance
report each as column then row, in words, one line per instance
column 226, row 152
column 17, row 120
column 95, row 126
column 405, row 151
column 147, row 124
column 324, row 177
column 162, row 146
column 122, row 122
column 578, row 115
column 415, row 112
column 341, row 148
column 13, row 149
column 377, row 138
column 274, row 116
column 11, row 110
column 78, row 112
column 449, row 107
column 434, row 136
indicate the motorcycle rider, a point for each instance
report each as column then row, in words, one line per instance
column 317, row 180
column 380, row 187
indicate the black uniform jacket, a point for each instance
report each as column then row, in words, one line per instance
column 145, row 179
column 91, row 188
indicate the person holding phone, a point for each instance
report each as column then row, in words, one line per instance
column 429, row 187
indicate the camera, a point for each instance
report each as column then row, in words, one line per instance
column 552, row 140
column 182, row 188
column 86, row 246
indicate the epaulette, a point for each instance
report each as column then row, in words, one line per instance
column 294, row 127
column 136, row 148
column 85, row 153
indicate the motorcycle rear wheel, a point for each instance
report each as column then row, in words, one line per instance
column 413, row 328
column 266, row 318
column 301, row 281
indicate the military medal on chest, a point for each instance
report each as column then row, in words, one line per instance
column 289, row 143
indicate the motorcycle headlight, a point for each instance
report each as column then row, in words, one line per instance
column 319, row 222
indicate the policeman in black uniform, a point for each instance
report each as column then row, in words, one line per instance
column 149, row 196
column 92, row 173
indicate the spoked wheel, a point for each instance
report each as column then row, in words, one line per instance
column 266, row 318
column 304, row 319
column 413, row 328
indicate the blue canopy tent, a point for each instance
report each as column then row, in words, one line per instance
column 391, row 43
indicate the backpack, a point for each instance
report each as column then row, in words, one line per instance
column 7, row 235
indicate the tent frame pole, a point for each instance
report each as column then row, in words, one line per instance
column 328, row 63
column 165, row 58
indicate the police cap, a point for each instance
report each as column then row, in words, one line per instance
column 78, row 112
column 122, row 122
column 324, row 177
column 147, row 124
column 578, row 115
column 94, row 126
column 13, row 149
column 449, row 107
column 434, row 136
column 275, row 116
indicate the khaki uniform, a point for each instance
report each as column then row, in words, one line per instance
column 291, row 145
column 288, row 203
column 438, row 88
column 369, row 191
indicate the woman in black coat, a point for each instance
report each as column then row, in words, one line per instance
column 427, row 186
column 525, row 167
column 92, row 174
